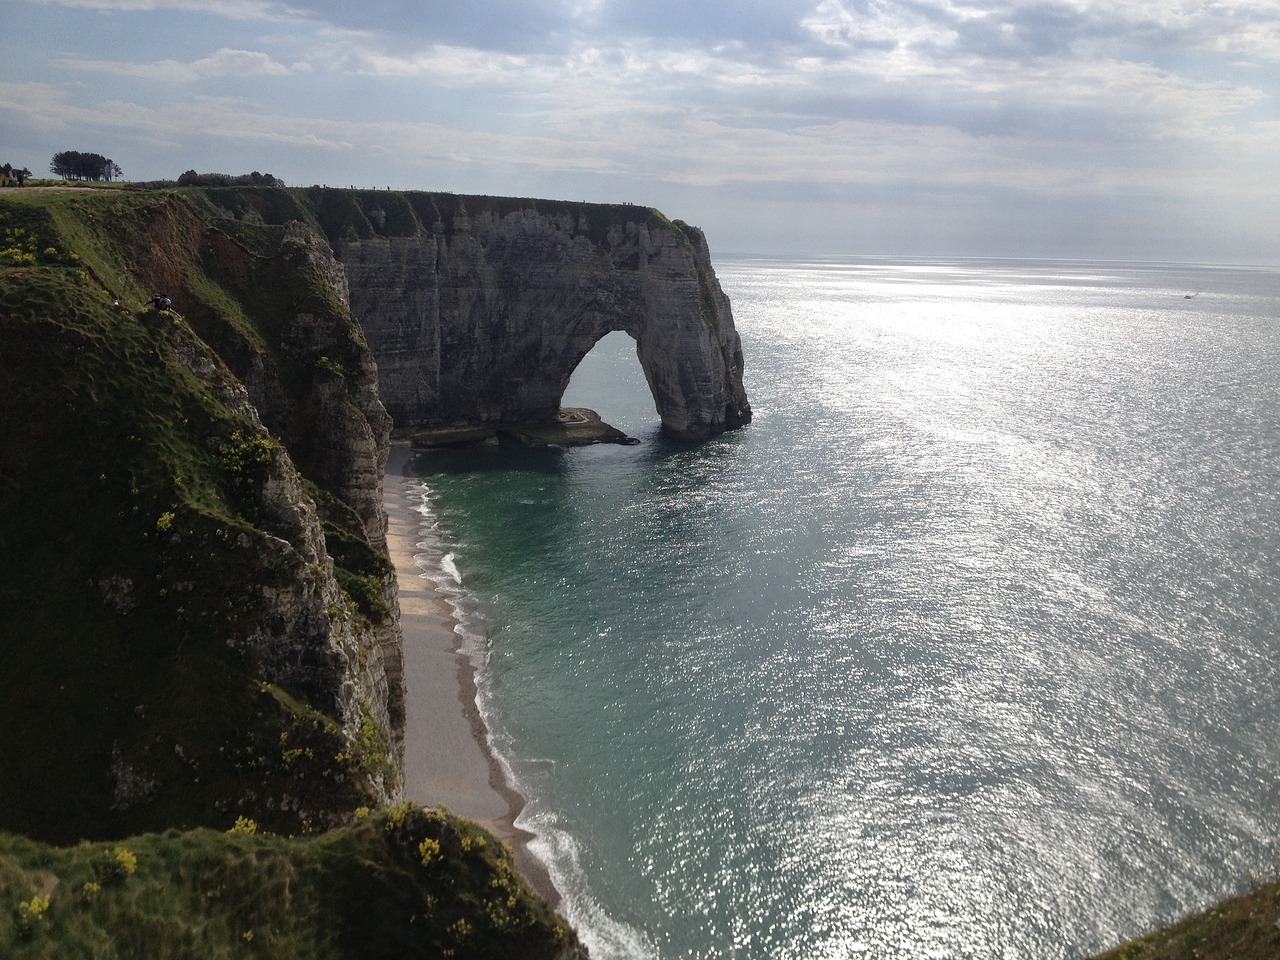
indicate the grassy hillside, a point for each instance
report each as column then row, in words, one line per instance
column 399, row 884
column 134, row 548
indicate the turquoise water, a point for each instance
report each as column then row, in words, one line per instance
column 966, row 647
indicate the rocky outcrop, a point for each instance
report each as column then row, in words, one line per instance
column 295, row 368
column 478, row 310
column 249, row 435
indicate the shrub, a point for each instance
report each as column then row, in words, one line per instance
column 115, row 866
column 244, row 456
column 31, row 914
column 244, row 826
column 429, row 851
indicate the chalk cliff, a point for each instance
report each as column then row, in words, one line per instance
column 200, row 614
column 248, row 433
column 478, row 309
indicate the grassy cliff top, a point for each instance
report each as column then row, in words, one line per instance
column 356, row 214
column 1246, row 927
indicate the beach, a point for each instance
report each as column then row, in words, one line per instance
column 447, row 758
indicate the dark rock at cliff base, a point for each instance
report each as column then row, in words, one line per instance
column 573, row 427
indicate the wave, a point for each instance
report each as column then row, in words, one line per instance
column 605, row 937
column 450, row 568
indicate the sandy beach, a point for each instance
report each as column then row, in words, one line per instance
column 447, row 758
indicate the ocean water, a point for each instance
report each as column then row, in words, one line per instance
column 966, row 647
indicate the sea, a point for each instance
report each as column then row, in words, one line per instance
column 966, row 647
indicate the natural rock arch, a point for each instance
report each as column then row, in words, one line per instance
column 689, row 375
column 480, row 319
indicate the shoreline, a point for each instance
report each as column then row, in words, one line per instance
column 447, row 758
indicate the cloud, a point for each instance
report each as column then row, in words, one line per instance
column 351, row 52
column 1037, row 28
column 500, row 25
column 230, row 9
column 223, row 63
column 1012, row 72
column 1048, row 98
column 234, row 121
column 709, row 23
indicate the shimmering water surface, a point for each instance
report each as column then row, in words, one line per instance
column 966, row 647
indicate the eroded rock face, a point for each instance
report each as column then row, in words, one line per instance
column 480, row 318
column 313, row 385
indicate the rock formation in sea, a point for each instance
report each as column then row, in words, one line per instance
column 478, row 309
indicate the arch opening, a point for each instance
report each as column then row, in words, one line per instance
column 610, row 380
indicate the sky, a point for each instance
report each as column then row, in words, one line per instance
column 1144, row 130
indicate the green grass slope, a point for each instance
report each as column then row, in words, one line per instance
column 1240, row 928
column 400, row 884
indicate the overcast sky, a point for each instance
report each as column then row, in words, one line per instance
column 1144, row 130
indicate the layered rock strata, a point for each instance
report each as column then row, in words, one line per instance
column 478, row 311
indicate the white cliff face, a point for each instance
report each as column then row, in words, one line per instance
column 481, row 318
column 342, row 429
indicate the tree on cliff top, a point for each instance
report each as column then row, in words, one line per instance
column 75, row 165
column 192, row 179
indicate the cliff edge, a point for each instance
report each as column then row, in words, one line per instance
column 199, row 614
